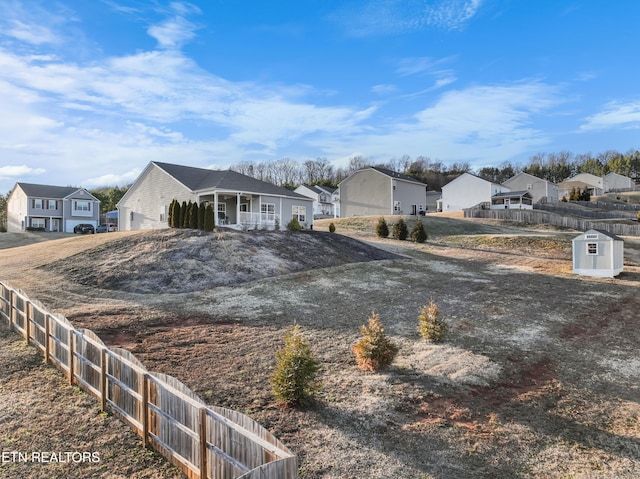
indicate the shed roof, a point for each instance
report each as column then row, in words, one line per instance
column 602, row 232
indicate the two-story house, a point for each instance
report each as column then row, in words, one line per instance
column 51, row 208
column 323, row 199
column 378, row 191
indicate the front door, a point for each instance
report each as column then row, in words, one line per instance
column 55, row 224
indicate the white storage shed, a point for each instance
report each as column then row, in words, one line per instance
column 598, row 253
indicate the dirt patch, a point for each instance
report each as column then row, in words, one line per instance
column 178, row 261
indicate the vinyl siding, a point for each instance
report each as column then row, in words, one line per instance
column 366, row 192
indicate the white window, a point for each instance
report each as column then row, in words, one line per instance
column 244, row 207
column 268, row 208
column 37, row 203
column 52, row 204
column 222, row 208
column 300, row 212
column 37, row 222
column 591, row 237
column 396, row 206
column 82, row 206
column 529, row 186
column 592, row 249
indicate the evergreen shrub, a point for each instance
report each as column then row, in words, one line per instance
column 430, row 324
column 418, row 233
column 400, row 230
column 382, row 230
column 374, row 351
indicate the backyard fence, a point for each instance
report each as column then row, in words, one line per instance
column 205, row 442
column 546, row 217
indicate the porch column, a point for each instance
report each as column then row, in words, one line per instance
column 238, row 208
column 215, row 208
column 260, row 210
column 281, row 219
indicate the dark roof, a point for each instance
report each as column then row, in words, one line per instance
column 47, row 191
column 197, row 179
column 395, row 174
column 320, row 189
column 610, row 235
column 511, row 193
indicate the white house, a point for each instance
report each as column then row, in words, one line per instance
column 468, row 190
column 322, row 197
column 239, row 200
column 540, row 190
column 598, row 253
column 617, row 182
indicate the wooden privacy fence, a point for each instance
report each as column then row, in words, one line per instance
column 205, row 442
column 546, row 217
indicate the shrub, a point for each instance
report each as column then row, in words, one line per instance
column 400, row 231
column 294, row 225
column 430, row 324
column 332, row 228
column 193, row 216
column 293, row 379
column 382, row 230
column 418, row 234
column 374, row 351
column 564, row 199
column 183, row 214
column 209, row 223
column 172, row 212
column 201, row 212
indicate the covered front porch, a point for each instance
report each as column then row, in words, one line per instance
column 243, row 210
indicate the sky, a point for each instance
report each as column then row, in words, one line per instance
column 92, row 91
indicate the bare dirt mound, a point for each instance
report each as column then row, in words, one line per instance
column 178, row 261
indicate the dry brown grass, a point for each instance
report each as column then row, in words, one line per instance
column 538, row 377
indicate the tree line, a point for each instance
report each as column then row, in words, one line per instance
column 554, row 167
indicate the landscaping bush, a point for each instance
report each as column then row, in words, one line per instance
column 382, row 230
column 374, row 351
column 418, row 233
column 294, row 225
column 201, row 212
column 400, row 230
column 171, row 216
column 430, row 324
column 193, row 216
column 332, row 228
column 182, row 215
column 293, row 379
column 209, row 222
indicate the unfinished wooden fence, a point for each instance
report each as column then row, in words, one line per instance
column 546, row 217
column 205, row 442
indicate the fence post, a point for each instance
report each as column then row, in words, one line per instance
column 72, row 338
column 145, row 410
column 47, row 340
column 103, row 378
column 27, row 318
column 203, row 443
column 12, row 307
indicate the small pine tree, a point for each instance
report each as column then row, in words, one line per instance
column 294, row 225
column 183, row 214
column 201, row 210
column 382, row 230
column 574, row 194
column 193, row 216
column 400, row 230
column 209, row 223
column 418, row 233
column 374, row 351
column 171, row 217
column 585, row 195
column 332, row 228
column 430, row 324
column 293, row 379
column 564, row 199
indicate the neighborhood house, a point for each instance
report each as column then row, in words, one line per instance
column 467, row 191
column 323, row 199
column 238, row 200
column 378, row 191
column 50, row 208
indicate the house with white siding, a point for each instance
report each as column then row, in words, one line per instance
column 322, row 196
column 239, row 200
column 50, row 208
column 617, row 182
column 467, row 191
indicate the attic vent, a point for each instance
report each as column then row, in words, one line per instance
column 591, row 237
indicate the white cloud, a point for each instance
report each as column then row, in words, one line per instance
column 386, row 17
column 9, row 171
column 111, row 179
column 616, row 114
column 384, row 89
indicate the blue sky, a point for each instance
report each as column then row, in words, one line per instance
column 91, row 91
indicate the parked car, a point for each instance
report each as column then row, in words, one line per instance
column 84, row 228
column 101, row 229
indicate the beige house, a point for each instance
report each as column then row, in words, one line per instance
column 239, row 200
column 539, row 189
column 467, row 191
column 378, row 191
